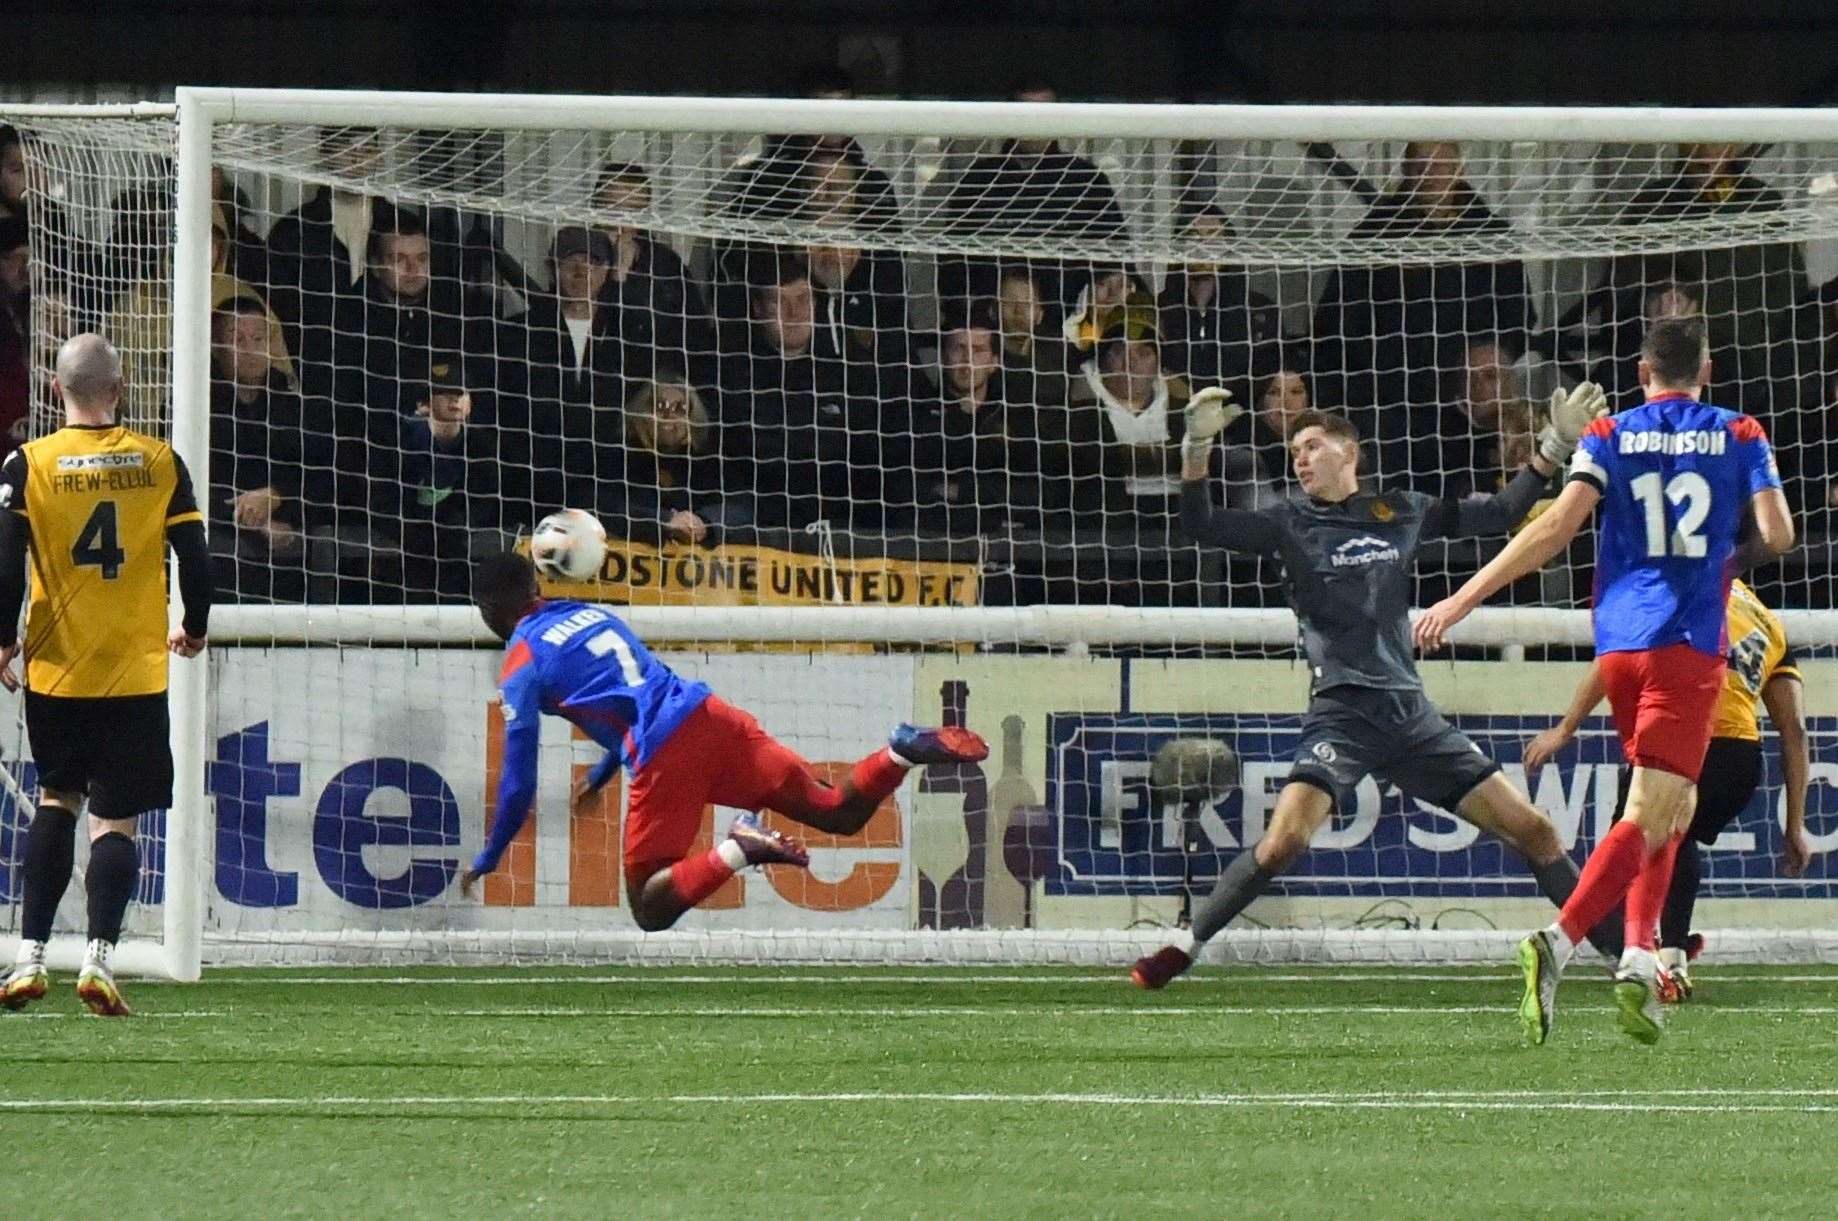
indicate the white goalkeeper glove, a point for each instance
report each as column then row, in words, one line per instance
column 1571, row 413
column 1209, row 412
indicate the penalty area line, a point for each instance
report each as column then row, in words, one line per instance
column 849, row 977
column 1632, row 1100
column 1147, row 1009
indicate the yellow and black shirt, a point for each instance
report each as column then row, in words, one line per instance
column 98, row 502
column 1758, row 653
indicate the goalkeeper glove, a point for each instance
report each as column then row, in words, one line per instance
column 1571, row 413
column 1208, row 414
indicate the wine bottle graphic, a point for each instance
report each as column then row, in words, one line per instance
column 957, row 901
column 1003, row 896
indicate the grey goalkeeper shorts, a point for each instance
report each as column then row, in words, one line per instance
column 1398, row 737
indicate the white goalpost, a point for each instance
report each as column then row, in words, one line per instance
column 815, row 288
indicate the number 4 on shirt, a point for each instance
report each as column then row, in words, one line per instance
column 98, row 543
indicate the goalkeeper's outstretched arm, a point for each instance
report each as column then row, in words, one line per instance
column 1208, row 412
column 1531, row 549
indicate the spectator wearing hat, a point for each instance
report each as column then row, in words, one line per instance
column 1124, row 443
column 559, row 373
column 436, row 491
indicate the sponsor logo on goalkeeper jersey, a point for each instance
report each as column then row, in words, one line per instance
column 1358, row 552
column 1673, row 444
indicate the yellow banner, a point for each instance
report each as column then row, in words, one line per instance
column 639, row 575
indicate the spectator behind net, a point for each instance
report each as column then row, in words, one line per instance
column 975, row 452
column 272, row 462
column 1383, row 334
column 654, row 309
column 437, row 488
column 15, row 330
column 1212, row 321
column 668, row 483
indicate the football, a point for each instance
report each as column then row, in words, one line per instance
column 568, row 545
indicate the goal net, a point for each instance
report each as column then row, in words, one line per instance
column 880, row 405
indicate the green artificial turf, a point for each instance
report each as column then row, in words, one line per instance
column 808, row 1092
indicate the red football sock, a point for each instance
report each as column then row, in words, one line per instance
column 1647, row 895
column 877, row 775
column 695, row 878
column 1607, row 874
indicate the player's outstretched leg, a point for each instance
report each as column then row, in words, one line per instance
column 757, row 772
column 114, row 869
column 50, row 854
column 913, row 744
column 660, row 899
column 1300, row 808
column 1495, row 805
column 845, row 809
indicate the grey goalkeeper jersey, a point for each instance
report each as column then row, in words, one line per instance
column 1348, row 566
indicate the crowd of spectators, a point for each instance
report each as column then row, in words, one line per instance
column 391, row 394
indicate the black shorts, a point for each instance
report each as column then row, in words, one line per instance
column 117, row 750
column 1350, row 733
column 1732, row 773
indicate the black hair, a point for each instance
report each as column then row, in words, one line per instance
column 772, row 267
column 1674, row 349
column 393, row 222
column 620, row 171
column 966, row 315
column 506, row 579
column 1330, row 422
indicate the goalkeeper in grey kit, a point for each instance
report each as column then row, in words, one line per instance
column 1348, row 555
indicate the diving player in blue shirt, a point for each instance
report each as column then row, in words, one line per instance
column 684, row 746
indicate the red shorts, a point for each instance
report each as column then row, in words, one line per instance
column 1663, row 700
column 719, row 755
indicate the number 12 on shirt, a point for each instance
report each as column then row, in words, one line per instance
column 1688, row 489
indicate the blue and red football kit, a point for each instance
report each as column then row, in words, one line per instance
column 684, row 746
column 1676, row 477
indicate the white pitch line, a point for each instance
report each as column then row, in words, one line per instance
column 654, row 976
column 1433, row 1101
column 1145, row 1010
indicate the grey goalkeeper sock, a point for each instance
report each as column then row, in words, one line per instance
column 1557, row 878
column 1243, row 880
